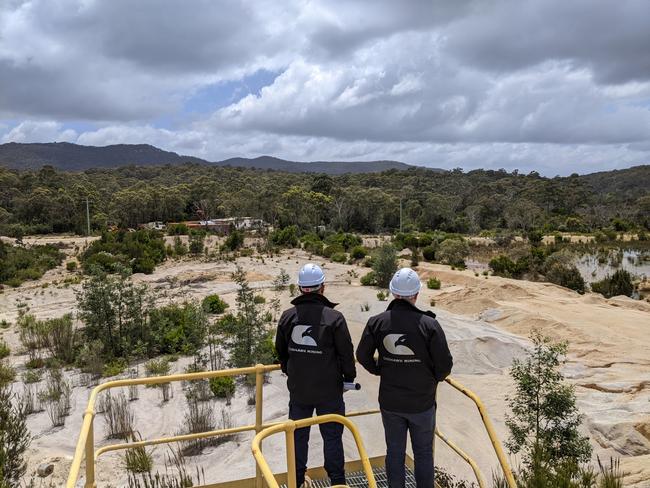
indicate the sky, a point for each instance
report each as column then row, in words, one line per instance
column 552, row 86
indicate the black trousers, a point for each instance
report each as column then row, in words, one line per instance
column 421, row 426
column 332, row 439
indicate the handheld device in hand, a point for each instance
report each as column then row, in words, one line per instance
column 347, row 385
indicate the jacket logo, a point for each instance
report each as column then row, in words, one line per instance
column 301, row 335
column 396, row 344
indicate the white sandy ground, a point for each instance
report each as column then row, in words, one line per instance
column 486, row 321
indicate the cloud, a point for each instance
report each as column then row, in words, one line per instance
column 505, row 35
column 469, row 83
column 39, row 131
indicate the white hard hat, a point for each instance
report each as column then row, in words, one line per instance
column 405, row 283
column 310, row 275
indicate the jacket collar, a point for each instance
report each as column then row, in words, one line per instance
column 313, row 298
column 400, row 304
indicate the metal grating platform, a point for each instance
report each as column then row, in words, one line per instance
column 357, row 479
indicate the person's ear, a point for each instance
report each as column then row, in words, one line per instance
column 322, row 289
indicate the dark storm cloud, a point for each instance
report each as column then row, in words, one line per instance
column 175, row 35
column 612, row 39
column 351, row 24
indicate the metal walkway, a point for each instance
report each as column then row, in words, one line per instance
column 358, row 479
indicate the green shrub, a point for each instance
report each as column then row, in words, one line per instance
column 544, row 420
column 453, row 252
column 144, row 265
column 382, row 295
column 339, row 257
column 346, row 240
column 157, row 367
column 115, row 367
column 281, row 280
column 433, row 283
column 620, row 283
column 312, row 243
column 502, row 265
column 369, row 279
column 259, row 299
column 214, row 304
column 222, row 387
column 139, row 251
column 332, row 249
column 138, row 459
column 429, row 253
column 59, row 337
column 177, row 328
column 71, row 266
column 15, row 440
column 20, row 264
column 35, row 363
column 180, row 249
column 32, row 376
column 535, row 237
column 566, row 275
column 5, row 350
column 115, row 312
column 286, row 237
column 314, row 247
column 358, row 252
column 196, row 242
column 177, row 230
column 385, row 264
column 7, row 374
column 234, row 241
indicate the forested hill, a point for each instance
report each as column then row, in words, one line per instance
column 50, row 200
column 74, row 157
column 327, row 167
column 634, row 181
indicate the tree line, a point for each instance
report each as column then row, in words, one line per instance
column 48, row 200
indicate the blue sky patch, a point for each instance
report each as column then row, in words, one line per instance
column 219, row 95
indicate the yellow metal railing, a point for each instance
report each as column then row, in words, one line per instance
column 86, row 443
column 491, row 432
column 289, row 428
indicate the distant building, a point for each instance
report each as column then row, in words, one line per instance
column 226, row 225
column 211, row 225
column 245, row 223
column 154, row 225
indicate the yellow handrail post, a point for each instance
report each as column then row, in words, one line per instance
column 259, row 399
column 465, row 456
column 90, row 455
column 292, row 482
column 291, row 425
column 494, row 439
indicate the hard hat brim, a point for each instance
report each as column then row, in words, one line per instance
column 309, row 284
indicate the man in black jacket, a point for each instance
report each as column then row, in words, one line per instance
column 316, row 352
column 413, row 358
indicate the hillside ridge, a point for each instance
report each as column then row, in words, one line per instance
column 67, row 156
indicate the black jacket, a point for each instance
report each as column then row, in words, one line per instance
column 413, row 356
column 315, row 350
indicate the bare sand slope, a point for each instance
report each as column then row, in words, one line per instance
column 486, row 322
column 609, row 342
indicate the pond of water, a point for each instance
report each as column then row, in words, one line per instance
column 595, row 267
